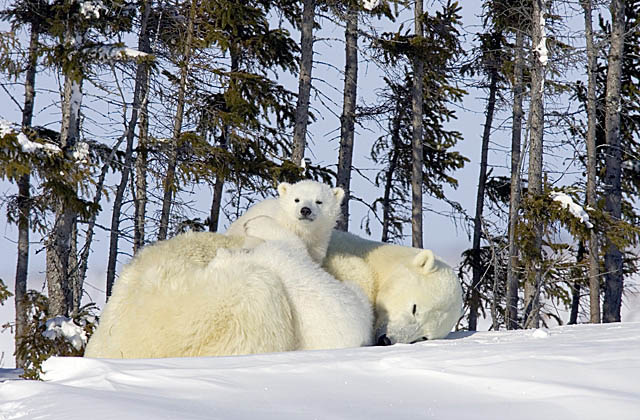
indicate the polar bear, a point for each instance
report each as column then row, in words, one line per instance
column 308, row 209
column 201, row 294
column 416, row 296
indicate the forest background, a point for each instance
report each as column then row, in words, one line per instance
column 472, row 51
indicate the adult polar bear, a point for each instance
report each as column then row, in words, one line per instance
column 271, row 297
column 162, row 303
column 201, row 294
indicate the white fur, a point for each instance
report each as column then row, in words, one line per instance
column 177, row 298
column 327, row 313
column 314, row 229
column 395, row 278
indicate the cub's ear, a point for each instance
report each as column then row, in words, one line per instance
column 282, row 188
column 425, row 261
column 338, row 193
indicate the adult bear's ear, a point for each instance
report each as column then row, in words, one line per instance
column 282, row 188
column 338, row 193
column 425, row 261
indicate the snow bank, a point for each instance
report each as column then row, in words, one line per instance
column 577, row 372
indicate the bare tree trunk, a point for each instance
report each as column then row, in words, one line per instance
column 477, row 223
column 612, row 186
column 140, row 209
column 138, row 98
column 393, row 164
column 24, row 197
column 594, row 267
column 511, row 316
column 169, row 180
column 76, row 282
column 58, row 244
column 536, row 133
column 417, row 140
column 140, row 200
column 304, row 84
column 347, row 120
column 225, row 143
column 576, row 274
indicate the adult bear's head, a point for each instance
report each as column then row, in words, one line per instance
column 421, row 300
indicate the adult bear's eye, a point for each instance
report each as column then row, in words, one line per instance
column 318, row 202
column 413, row 311
column 297, row 200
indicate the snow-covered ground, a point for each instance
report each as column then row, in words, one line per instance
column 572, row 372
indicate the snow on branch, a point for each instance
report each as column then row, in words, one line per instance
column 370, row 4
column 576, row 210
column 27, row 145
column 116, row 52
column 92, row 9
column 63, row 327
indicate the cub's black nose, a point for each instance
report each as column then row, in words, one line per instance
column 383, row 340
column 305, row 211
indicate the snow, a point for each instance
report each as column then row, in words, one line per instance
column 572, row 372
column 90, row 9
column 575, row 209
column 631, row 165
column 370, row 4
column 541, row 48
column 117, row 52
column 26, row 145
column 64, row 327
column 81, row 152
column 5, row 128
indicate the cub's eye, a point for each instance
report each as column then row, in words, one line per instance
column 318, row 202
column 413, row 311
column 297, row 200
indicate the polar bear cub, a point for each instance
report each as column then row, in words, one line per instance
column 326, row 313
column 308, row 209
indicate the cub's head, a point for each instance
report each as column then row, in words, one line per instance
column 311, row 202
column 421, row 300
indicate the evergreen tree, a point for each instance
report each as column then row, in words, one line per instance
column 439, row 48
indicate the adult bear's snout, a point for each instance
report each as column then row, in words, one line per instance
column 305, row 211
column 383, row 340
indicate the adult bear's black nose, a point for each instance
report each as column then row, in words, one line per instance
column 383, row 340
column 305, row 211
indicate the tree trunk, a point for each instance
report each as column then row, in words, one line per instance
column 76, row 283
column 140, row 200
column 417, row 139
column 388, row 182
column 575, row 292
column 304, row 84
column 511, row 316
column 347, row 120
column 169, row 180
column 594, row 268
column 140, row 209
column 24, row 196
column 58, row 244
column 477, row 223
column 225, row 143
column 612, row 184
column 138, row 96
column 536, row 132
